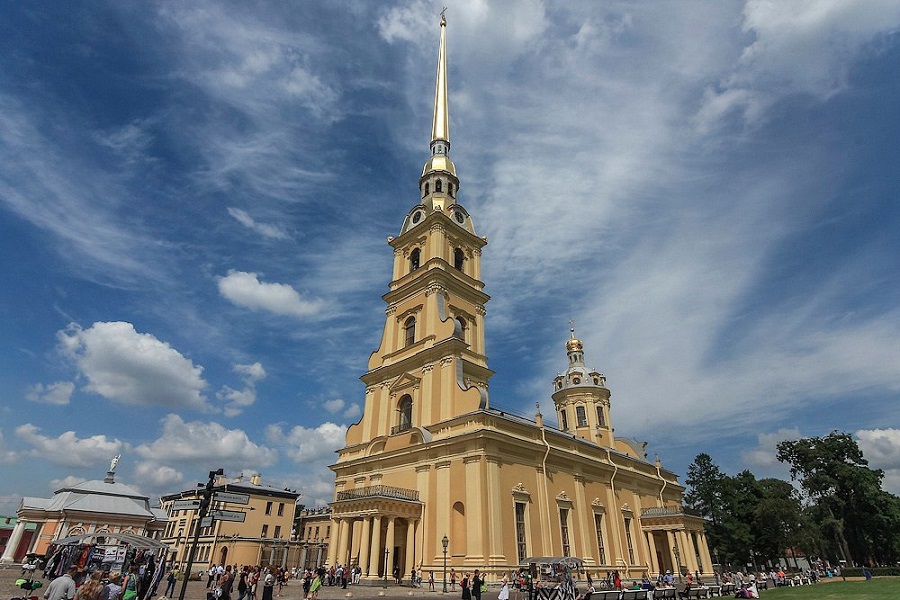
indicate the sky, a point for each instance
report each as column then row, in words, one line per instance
column 195, row 199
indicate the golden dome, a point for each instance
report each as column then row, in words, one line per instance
column 439, row 162
column 574, row 344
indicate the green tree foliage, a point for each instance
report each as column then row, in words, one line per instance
column 857, row 518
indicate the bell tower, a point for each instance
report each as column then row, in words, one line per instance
column 582, row 398
column 431, row 364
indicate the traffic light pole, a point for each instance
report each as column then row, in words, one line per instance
column 201, row 514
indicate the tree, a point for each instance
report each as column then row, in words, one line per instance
column 705, row 495
column 853, row 509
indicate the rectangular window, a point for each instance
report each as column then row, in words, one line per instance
column 564, row 421
column 598, row 525
column 277, row 531
column 564, row 530
column 281, row 509
column 328, row 531
column 309, row 532
column 268, row 508
column 601, row 420
column 265, row 532
column 581, row 416
column 628, row 540
column 521, row 548
column 317, row 532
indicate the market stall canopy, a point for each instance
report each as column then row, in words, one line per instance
column 136, row 541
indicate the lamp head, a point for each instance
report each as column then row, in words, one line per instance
column 445, row 542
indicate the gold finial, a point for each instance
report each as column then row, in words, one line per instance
column 443, row 18
column 574, row 343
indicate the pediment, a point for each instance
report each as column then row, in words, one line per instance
column 404, row 382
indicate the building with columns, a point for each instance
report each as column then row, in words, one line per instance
column 95, row 507
column 431, row 459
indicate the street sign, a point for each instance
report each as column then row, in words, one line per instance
column 186, row 505
column 229, row 515
column 206, row 522
column 231, row 497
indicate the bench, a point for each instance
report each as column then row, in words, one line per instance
column 606, row 595
column 697, row 592
column 727, row 589
column 634, row 595
column 667, row 593
column 715, row 590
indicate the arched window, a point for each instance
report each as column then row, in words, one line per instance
column 414, row 259
column 438, row 186
column 405, row 416
column 460, row 328
column 459, row 258
column 409, row 331
column 426, row 190
column 581, row 416
column 450, row 188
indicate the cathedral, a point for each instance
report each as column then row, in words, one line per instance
column 432, row 475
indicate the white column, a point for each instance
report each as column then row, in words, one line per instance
column 9, row 555
column 375, row 554
column 410, row 547
column 364, row 544
column 389, row 546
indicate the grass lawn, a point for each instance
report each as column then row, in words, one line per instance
column 880, row 588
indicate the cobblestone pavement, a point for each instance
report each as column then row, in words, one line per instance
column 196, row 590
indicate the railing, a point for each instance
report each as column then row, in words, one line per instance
column 382, row 491
column 398, row 428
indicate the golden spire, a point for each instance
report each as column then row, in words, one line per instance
column 440, row 128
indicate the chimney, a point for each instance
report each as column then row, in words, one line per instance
column 538, row 417
column 255, row 478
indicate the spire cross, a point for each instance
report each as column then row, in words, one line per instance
column 443, row 18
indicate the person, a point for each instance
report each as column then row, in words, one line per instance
column 504, row 588
column 431, row 580
column 268, row 586
column 170, row 583
column 211, row 574
column 314, row 587
column 242, row 584
column 92, row 588
column 130, row 585
column 63, row 586
column 224, row 583
column 113, row 589
column 867, row 573
column 477, row 582
column 452, row 579
column 464, row 584
column 587, row 593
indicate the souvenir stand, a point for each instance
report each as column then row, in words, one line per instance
column 110, row 553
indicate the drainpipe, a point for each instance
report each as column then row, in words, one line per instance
column 539, row 421
column 617, row 512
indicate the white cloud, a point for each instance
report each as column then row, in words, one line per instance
column 65, row 482
column 7, row 456
column 764, row 456
column 68, row 449
column 133, row 368
column 804, row 47
column 158, row 476
column 265, row 229
column 881, row 447
column 58, row 393
column 305, row 445
column 238, row 400
column 205, row 443
column 338, row 405
column 245, row 289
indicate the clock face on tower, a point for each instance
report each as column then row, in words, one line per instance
column 459, row 216
column 417, row 216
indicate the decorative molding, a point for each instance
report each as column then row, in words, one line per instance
column 446, row 361
column 390, row 310
column 520, row 490
column 476, row 251
column 626, row 509
column 435, row 288
column 563, row 497
column 437, row 228
column 427, row 368
column 598, row 505
column 479, row 308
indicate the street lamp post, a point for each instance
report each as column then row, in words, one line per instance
column 386, row 553
column 445, row 542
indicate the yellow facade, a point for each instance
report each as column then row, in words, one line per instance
column 430, row 458
column 265, row 537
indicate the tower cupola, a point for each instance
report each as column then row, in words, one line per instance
column 581, row 397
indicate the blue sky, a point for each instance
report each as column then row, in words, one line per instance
column 195, row 198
